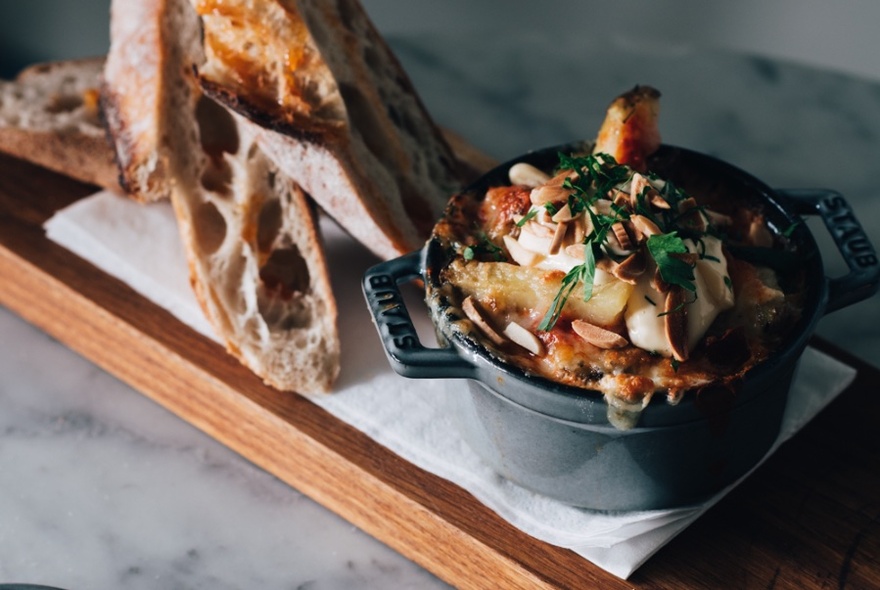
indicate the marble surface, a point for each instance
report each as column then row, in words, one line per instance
column 101, row 488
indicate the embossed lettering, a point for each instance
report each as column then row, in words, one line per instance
column 381, row 281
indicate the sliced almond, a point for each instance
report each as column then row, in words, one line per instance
column 520, row 255
column 602, row 207
column 549, row 194
column 562, row 176
column 524, row 338
column 552, row 191
column 622, row 236
column 613, row 246
column 631, row 268
column 655, row 200
column 538, row 229
column 637, row 184
column 759, row 235
column 645, row 225
column 597, row 336
column 564, row 214
column 525, row 174
column 558, row 238
column 583, row 228
column 675, row 322
column 659, row 283
column 619, row 198
column 475, row 315
column 577, row 251
column 637, row 236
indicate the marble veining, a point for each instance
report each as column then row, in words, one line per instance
column 101, row 488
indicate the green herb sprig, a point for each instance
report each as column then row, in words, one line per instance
column 597, row 176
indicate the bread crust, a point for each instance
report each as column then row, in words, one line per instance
column 49, row 115
column 363, row 146
column 256, row 263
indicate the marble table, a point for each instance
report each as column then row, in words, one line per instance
column 101, row 488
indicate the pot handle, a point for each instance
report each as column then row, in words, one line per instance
column 856, row 249
column 407, row 355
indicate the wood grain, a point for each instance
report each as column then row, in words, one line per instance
column 809, row 518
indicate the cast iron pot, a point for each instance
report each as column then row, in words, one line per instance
column 556, row 440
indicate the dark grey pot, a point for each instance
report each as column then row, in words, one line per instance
column 556, row 440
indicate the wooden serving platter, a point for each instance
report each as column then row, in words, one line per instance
column 808, row 518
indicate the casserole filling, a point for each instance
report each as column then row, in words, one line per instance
column 610, row 279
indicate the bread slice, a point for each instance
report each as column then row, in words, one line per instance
column 147, row 98
column 256, row 261
column 338, row 111
column 251, row 238
column 49, row 115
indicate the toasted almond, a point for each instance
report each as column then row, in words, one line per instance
column 621, row 235
column 547, row 193
column 583, row 228
column 576, row 251
column 520, row 255
column 602, row 207
column 645, row 225
column 562, row 176
column 538, row 229
column 631, row 268
column 637, row 184
column 637, row 236
column 564, row 214
column 597, row 336
column 613, row 246
column 675, row 322
column 618, row 197
column 658, row 283
column 474, row 314
column 524, row 338
column 655, row 200
column 558, row 238
column 759, row 235
column 525, row 174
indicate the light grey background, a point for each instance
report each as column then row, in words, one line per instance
column 843, row 35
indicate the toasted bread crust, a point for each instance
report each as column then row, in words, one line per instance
column 49, row 115
column 362, row 145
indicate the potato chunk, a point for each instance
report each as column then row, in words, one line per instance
column 520, row 290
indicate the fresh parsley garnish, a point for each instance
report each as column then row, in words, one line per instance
column 484, row 247
column 582, row 273
column 673, row 270
column 526, row 218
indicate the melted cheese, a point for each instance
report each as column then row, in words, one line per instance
column 645, row 325
column 644, row 321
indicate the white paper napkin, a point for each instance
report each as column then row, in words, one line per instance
column 139, row 244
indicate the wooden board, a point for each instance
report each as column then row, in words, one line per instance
column 808, row 518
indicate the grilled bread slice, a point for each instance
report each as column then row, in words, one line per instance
column 147, row 97
column 256, row 260
column 49, row 115
column 338, row 111
column 256, row 263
